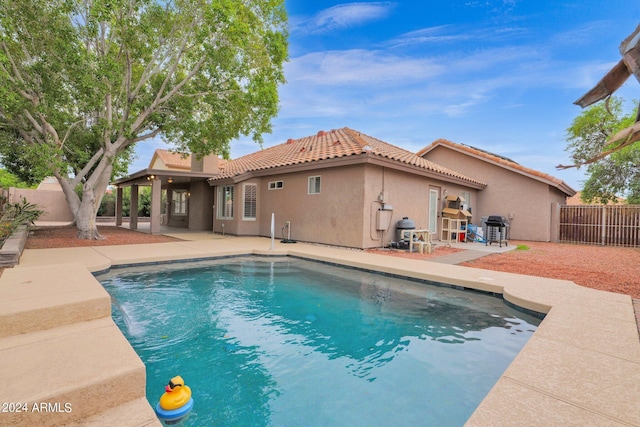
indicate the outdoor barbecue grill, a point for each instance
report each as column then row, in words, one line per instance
column 497, row 230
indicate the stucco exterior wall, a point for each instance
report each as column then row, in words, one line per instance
column 200, row 208
column 407, row 194
column 238, row 225
column 526, row 202
column 158, row 164
column 334, row 216
column 345, row 212
column 53, row 203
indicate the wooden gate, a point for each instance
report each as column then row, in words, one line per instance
column 612, row 225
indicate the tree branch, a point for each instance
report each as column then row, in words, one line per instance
column 69, row 132
column 161, row 100
column 17, row 77
column 80, row 175
column 152, row 134
column 33, row 121
column 183, row 82
column 624, row 138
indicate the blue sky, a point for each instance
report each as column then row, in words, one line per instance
column 500, row 75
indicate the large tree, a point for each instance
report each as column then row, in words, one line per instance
column 82, row 81
column 613, row 167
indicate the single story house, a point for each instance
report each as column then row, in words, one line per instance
column 340, row 187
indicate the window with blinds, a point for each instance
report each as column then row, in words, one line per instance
column 250, row 201
column 314, row 185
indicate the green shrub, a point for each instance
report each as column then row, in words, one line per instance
column 522, row 248
column 17, row 214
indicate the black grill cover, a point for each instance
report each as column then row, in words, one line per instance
column 496, row 221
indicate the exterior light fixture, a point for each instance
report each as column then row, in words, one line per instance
column 170, row 180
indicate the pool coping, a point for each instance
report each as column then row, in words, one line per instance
column 580, row 367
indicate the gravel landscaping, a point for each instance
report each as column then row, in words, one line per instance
column 606, row 268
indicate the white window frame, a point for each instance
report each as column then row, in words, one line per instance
column 179, row 200
column 276, row 185
column 317, row 185
column 225, row 203
column 250, row 197
column 467, row 199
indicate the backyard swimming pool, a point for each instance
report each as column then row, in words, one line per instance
column 265, row 341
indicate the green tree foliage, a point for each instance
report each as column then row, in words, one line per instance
column 7, row 179
column 82, row 81
column 108, row 205
column 615, row 174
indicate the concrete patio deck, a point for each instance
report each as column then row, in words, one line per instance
column 58, row 343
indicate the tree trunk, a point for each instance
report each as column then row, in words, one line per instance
column 86, row 222
column 85, row 209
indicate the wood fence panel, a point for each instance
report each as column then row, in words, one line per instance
column 612, row 225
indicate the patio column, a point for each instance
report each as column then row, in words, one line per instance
column 156, row 197
column 119, row 192
column 133, row 211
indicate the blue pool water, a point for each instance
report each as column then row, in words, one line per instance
column 289, row 342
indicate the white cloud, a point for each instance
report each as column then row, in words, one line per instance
column 493, row 5
column 359, row 67
column 457, row 36
column 342, row 16
column 428, row 35
column 583, row 35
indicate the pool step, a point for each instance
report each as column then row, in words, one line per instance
column 70, row 373
column 38, row 298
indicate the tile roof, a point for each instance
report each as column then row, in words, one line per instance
column 172, row 160
column 336, row 143
column 500, row 161
column 576, row 199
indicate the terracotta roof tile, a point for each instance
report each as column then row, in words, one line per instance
column 503, row 161
column 173, row 160
column 337, row 143
column 577, row 200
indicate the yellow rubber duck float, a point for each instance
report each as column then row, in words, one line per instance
column 176, row 402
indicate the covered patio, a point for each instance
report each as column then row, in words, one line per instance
column 188, row 202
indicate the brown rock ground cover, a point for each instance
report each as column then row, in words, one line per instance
column 65, row 237
column 613, row 269
column 605, row 268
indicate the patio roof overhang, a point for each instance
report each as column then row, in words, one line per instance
column 144, row 177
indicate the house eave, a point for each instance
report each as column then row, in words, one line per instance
column 354, row 159
column 405, row 167
column 141, row 177
column 562, row 186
